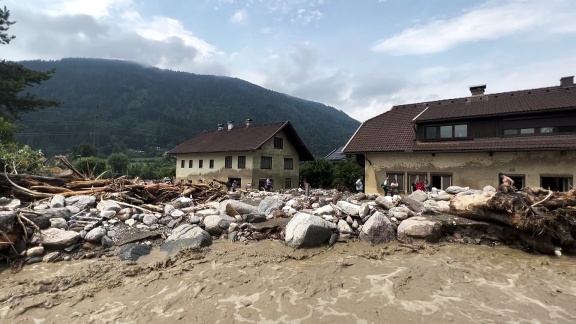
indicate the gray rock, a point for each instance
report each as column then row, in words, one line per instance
column 324, row 210
column 111, row 233
column 176, row 213
column 419, row 195
column 182, row 202
column 253, row 218
column 349, row 220
column 344, row 227
column 35, row 251
column 107, row 214
column 348, row 208
column 59, row 223
column 106, row 242
column 81, row 201
column 33, row 260
column 456, row 189
column 172, row 223
column 41, row 207
column 186, row 236
column 400, row 212
column 56, row 238
column 106, row 205
column 73, row 210
column 419, row 228
column 57, row 201
column 10, row 204
column 181, row 232
column 378, row 229
column 142, row 227
column 269, row 204
column 384, row 202
column 194, row 219
column 240, row 207
column 488, row 188
column 442, row 197
column 364, row 210
column 412, row 204
column 305, row 230
column 7, row 220
column 149, row 219
column 95, row 235
column 207, row 212
column 133, row 251
column 233, row 236
column 62, row 212
column 211, row 224
column 51, row 257
column 432, row 207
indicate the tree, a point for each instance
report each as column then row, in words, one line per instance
column 318, row 173
column 6, row 131
column 83, row 150
column 346, row 173
column 118, row 163
column 15, row 78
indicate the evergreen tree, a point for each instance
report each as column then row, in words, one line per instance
column 346, row 173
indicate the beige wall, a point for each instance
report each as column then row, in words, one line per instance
column 474, row 170
column 252, row 172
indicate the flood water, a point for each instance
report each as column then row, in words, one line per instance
column 268, row 282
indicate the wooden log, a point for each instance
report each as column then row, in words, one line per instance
column 50, row 189
column 87, row 184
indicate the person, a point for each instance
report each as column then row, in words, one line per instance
column 507, row 181
column 268, row 184
column 359, row 185
column 420, row 185
column 413, row 186
column 385, row 186
column 249, row 186
column 394, row 187
column 234, row 185
column 426, row 185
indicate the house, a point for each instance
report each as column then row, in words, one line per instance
column 336, row 156
column 249, row 154
column 529, row 135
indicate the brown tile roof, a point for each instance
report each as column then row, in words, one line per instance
column 516, row 102
column 240, row 139
column 394, row 129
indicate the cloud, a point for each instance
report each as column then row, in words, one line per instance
column 239, row 17
column 493, row 20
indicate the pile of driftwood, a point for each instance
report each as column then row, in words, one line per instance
column 545, row 219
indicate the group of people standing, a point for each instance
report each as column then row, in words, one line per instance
column 389, row 186
column 421, row 185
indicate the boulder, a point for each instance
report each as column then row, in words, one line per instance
column 107, row 214
column 9, row 204
column 133, row 251
column 181, row 232
column 324, row 210
column 41, row 221
column 240, row 207
column 61, row 212
column 384, row 202
column 207, row 212
column 211, row 224
column 57, row 201
column 488, row 188
column 104, row 205
column 432, row 207
column 400, row 212
column 378, row 229
column 343, row 227
column 419, row 195
column 305, row 230
column 270, row 204
column 254, row 218
column 59, row 223
column 7, row 220
column 182, row 202
column 419, row 229
column 348, row 208
column 456, row 189
column 176, row 213
column 186, row 236
column 56, row 238
column 412, row 204
column 35, row 251
column 442, row 197
column 364, row 210
column 81, row 201
column 106, row 242
column 95, row 235
column 149, row 219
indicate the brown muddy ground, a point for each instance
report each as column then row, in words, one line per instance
column 268, row 282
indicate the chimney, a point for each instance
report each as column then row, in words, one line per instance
column 567, row 81
column 230, row 124
column 248, row 122
column 477, row 90
column 220, row 127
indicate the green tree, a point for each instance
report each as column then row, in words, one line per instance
column 6, row 131
column 318, row 173
column 346, row 173
column 14, row 159
column 15, row 78
column 90, row 166
column 83, row 150
column 118, row 163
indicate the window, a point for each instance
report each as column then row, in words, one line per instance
column 526, row 130
column 440, row 181
column 228, row 162
column 190, row 163
column 182, row 163
column 545, row 130
column 278, row 143
column 508, row 132
column 200, row 164
column 288, row 163
column 556, row 182
column 399, row 178
column 241, row 162
column 447, row 131
column 539, row 130
column 211, row 164
column 287, row 183
column 519, row 180
column 414, row 177
column 266, row 162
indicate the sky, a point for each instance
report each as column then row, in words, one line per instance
column 359, row 56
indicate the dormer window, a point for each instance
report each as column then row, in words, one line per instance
column 447, row 131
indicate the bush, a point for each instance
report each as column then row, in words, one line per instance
column 91, row 166
column 346, row 173
column 318, row 173
column 15, row 159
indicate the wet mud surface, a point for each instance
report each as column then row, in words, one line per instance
column 267, row 282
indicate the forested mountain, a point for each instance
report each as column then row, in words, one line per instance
column 119, row 106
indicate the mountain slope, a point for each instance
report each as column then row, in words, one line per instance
column 117, row 106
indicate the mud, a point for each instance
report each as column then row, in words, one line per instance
column 267, row 282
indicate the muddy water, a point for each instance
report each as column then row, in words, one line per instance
column 270, row 283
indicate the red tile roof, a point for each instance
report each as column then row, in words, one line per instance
column 240, row 139
column 394, row 129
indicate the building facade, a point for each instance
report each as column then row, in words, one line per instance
column 246, row 155
column 529, row 135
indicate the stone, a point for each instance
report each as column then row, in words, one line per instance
column 106, row 242
column 108, row 205
column 270, row 204
column 419, row 195
column 306, row 230
column 364, row 210
column 59, row 223
column 186, row 236
column 10, row 204
column 207, row 212
column 254, row 218
column 400, row 212
column 419, row 229
column 57, row 201
column 349, row 220
column 442, row 197
column 133, row 251
column 384, row 202
column 62, row 212
column 7, row 220
column 73, row 210
column 488, row 188
column 35, row 251
column 95, row 235
column 378, row 229
column 107, row 214
column 241, row 207
column 149, row 219
column 81, row 201
column 56, row 238
column 456, row 189
column 344, row 227
column 142, row 227
column 463, row 204
column 194, row 219
column 130, row 222
column 34, row 260
column 412, row 204
column 348, row 208
column 51, row 257
column 176, row 213
column 182, row 202
column 324, row 210
column 41, row 207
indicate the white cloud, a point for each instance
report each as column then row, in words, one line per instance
column 492, row 20
column 239, row 16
